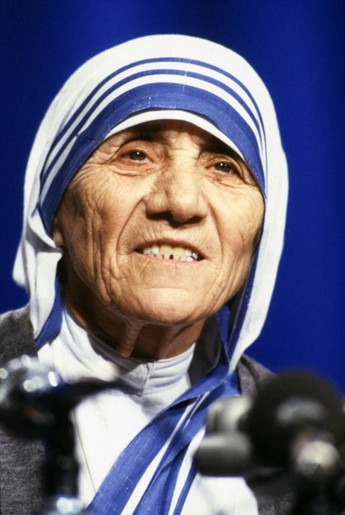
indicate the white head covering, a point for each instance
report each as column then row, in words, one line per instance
column 150, row 78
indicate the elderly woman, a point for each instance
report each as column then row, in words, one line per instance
column 155, row 201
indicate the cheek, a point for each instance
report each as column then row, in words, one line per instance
column 95, row 221
column 81, row 221
column 94, row 211
column 239, row 225
column 241, row 217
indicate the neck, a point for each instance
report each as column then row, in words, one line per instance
column 130, row 337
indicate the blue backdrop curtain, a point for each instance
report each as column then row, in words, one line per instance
column 298, row 47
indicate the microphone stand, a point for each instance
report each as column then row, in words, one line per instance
column 324, row 501
column 314, row 505
column 60, row 469
column 325, row 497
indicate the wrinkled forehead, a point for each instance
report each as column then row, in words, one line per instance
column 162, row 124
column 146, row 91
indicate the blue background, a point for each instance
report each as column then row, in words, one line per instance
column 298, row 47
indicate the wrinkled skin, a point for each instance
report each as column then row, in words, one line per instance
column 157, row 183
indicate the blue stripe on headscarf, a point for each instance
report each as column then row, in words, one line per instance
column 150, row 97
column 53, row 324
column 206, row 78
column 150, row 73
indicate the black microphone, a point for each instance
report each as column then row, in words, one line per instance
column 33, row 397
column 36, row 403
column 295, row 423
column 293, row 413
column 226, row 450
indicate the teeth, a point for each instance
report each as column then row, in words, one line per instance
column 169, row 252
column 179, row 252
column 166, row 251
column 155, row 250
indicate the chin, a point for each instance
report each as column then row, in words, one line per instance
column 171, row 311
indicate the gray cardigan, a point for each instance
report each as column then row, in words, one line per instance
column 20, row 461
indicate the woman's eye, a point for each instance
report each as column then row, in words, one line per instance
column 136, row 155
column 225, row 167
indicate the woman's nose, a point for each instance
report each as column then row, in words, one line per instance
column 178, row 192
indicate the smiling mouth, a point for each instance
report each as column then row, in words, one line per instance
column 172, row 253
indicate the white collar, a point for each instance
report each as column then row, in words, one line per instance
column 76, row 354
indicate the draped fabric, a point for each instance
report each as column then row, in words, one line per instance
column 152, row 78
column 163, row 444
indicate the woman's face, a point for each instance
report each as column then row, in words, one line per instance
column 159, row 225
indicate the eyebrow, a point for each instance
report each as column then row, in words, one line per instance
column 216, row 145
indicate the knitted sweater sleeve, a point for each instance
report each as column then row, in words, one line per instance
column 20, row 460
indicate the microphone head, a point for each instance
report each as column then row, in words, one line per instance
column 228, row 414
column 22, row 383
column 290, row 402
column 225, row 450
column 224, row 454
column 33, row 396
